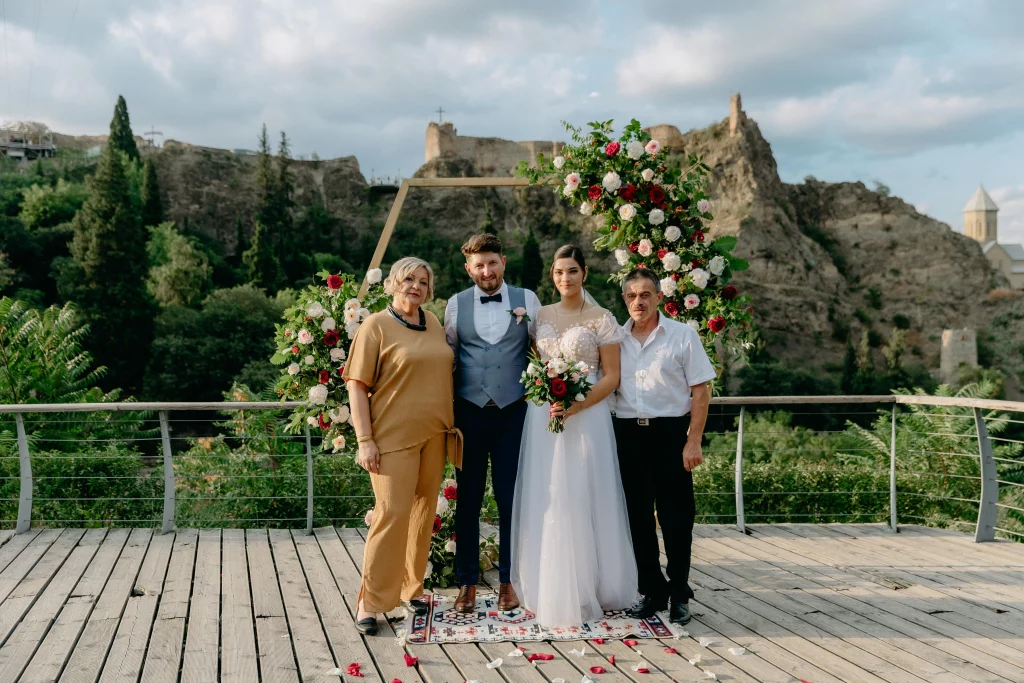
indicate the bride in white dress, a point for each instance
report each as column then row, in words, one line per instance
column 572, row 557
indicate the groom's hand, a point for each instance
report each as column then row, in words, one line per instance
column 692, row 455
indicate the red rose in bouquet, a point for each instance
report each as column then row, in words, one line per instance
column 672, row 308
column 325, row 423
column 334, row 282
column 450, row 493
column 716, row 324
column 324, row 377
column 437, row 523
column 628, row 192
column 558, row 387
column 612, row 148
column 698, row 236
column 341, row 371
column 662, row 253
column 657, row 195
column 331, row 338
column 633, row 247
column 594, row 192
column 729, row 293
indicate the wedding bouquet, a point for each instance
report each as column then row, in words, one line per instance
column 556, row 381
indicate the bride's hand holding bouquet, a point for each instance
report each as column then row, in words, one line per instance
column 560, row 382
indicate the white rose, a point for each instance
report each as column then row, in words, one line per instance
column 293, row 368
column 586, row 209
column 559, row 365
column 312, row 421
column 338, row 442
column 583, row 367
column 668, row 286
column 442, row 505
column 717, row 265
column 575, row 377
column 572, row 180
column 368, row 517
column 337, row 354
column 364, row 313
column 622, row 256
column 339, row 415
column 318, row 394
column 579, row 397
column 653, row 147
column 315, row 309
column 656, row 217
column 351, row 329
column 611, row 181
column 691, row 301
column 634, row 150
column 305, row 337
column 450, row 482
column 647, row 174
column 694, row 325
column 429, row 570
column 627, row 212
column 308, row 360
column 703, row 206
column 374, row 275
column 672, row 233
column 699, row 277
column 671, row 261
column 567, row 190
column 645, row 248
column 532, row 370
column 351, row 315
column 559, row 162
column 351, row 304
column 328, row 324
column 449, row 547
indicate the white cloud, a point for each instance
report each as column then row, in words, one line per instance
column 1010, row 201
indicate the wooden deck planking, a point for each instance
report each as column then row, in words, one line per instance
column 806, row 601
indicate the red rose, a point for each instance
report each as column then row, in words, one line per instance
column 633, row 247
column 341, row 371
column 695, row 263
column 628, row 192
column 716, row 325
column 558, row 387
column 612, row 148
column 594, row 192
column 698, row 236
column 672, row 308
column 295, row 350
column 614, row 228
column 324, row 424
column 677, row 277
column 450, row 493
column 334, row 282
column 657, row 195
column 729, row 292
column 437, row 523
column 332, row 337
column 324, row 377
column 661, row 253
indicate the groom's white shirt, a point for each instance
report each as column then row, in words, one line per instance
column 492, row 319
column 656, row 376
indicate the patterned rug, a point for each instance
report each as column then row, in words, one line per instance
column 442, row 624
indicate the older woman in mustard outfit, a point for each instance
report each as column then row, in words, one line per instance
column 399, row 357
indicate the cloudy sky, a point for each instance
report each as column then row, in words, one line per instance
column 925, row 95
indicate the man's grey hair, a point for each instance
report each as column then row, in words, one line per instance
column 641, row 274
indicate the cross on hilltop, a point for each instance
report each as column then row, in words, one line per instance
column 440, row 115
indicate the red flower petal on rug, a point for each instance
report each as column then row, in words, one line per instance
column 599, row 641
column 539, row 656
column 670, row 651
column 629, row 643
column 597, row 670
column 410, row 660
column 611, row 660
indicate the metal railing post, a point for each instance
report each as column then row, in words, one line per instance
column 25, row 466
column 893, row 526
column 987, row 509
column 309, row 482
column 740, row 520
column 165, row 439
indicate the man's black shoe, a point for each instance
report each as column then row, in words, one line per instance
column 646, row 608
column 679, row 613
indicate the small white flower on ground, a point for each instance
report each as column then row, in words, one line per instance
column 699, row 277
column 338, row 442
column 579, row 653
column 572, row 181
column 703, row 206
column 580, row 397
column 309, row 360
column 671, row 261
column 691, row 301
column 622, row 256
column 311, row 421
column 429, row 570
column 559, row 162
column 318, row 394
column 449, row 548
column 368, row 517
column 627, row 212
column 634, row 150
column 647, row 174
column 611, row 181
column 305, row 337
column 586, row 208
column 442, row 505
column 351, row 329
column 315, row 309
column 364, row 313
column 705, row 641
column 696, row 659
column 716, row 265
column 351, row 304
column 668, row 286
column 656, row 217
column 328, row 324
column 515, row 653
column 672, row 233
column 694, row 325
column 374, row 275
column 337, row 354
column 653, row 147
column 495, row 664
column 293, row 368
column 334, row 672
column 645, row 248
column 711, row 675
column 737, row 651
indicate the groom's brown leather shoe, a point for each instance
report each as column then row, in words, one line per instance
column 466, row 602
column 507, row 598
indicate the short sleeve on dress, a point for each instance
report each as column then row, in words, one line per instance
column 364, row 356
column 608, row 330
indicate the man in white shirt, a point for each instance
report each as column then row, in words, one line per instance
column 489, row 327
column 660, row 410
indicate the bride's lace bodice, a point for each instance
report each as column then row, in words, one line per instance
column 576, row 337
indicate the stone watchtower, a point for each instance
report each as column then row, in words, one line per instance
column 980, row 217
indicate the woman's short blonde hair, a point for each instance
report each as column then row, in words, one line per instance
column 403, row 268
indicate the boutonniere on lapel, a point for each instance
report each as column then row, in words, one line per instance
column 520, row 313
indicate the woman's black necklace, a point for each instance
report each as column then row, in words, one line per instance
column 400, row 318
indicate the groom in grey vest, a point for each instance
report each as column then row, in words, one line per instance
column 489, row 327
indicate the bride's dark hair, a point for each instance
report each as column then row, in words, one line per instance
column 568, row 251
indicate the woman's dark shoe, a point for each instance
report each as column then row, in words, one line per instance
column 647, row 607
column 679, row 613
column 367, row 626
column 417, row 607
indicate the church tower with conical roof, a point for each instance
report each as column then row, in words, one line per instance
column 980, row 217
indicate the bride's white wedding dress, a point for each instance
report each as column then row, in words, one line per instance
column 572, row 557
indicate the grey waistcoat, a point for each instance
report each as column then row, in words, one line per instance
column 487, row 372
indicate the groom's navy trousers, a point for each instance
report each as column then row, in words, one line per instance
column 489, row 434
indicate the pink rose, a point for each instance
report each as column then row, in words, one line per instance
column 653, row 147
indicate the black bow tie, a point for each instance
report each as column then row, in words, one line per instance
column 493, row 297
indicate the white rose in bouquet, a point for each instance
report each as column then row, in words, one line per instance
column 368, row 517
column 374, row 275
column 293, row 368
column 338, row 442
column 627, row 212
column 449, row 547
column 318, row 395
column 672, row 233
column 703, row 206
column 309, row 360
column 364, row 313
column 653, row 147
column 328, row 324
column 691, row 301
column 671, row 261
column 694, row 325
column 622, row 256
column 584, row 368
column 586, row 208
column 450, row 482
column 312, row 422
column 351, row 315
column 305, row 337
column 315, row 309
column 580, row 398
column 656, row 217
column 351, row 304
column 645, row 248
column 668, row 286
column 559, row 365
column 572, row 181
column 532, row 370
column 442, row 505
column 699, row 277
column 559, row 162
column 351, row 329
column 337, row 354
column 716, row 265
column 634, row 150
column 611, row 182
column 647, row 174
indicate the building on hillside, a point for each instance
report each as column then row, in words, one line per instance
column 26, row 142
column 980, row 223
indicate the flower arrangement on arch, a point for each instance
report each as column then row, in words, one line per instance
column 312, row 345
column 655, row 214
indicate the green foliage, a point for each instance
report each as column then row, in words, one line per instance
column 774, row 379
column 121, row 137
column 488, row 225
column 875, row 298
column 863, row 316
column 533, row 263
column 262, row 268
column 47, row 206
column 152, row 206
column 179, row 272
column 901, row 321
column 829, row 244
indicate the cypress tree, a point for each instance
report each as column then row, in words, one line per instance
column 488, row 225
column 533, row 262
column 121, row 137
column 261, row 265
column 266, row 184
column 152, row 207
column 241, row 244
